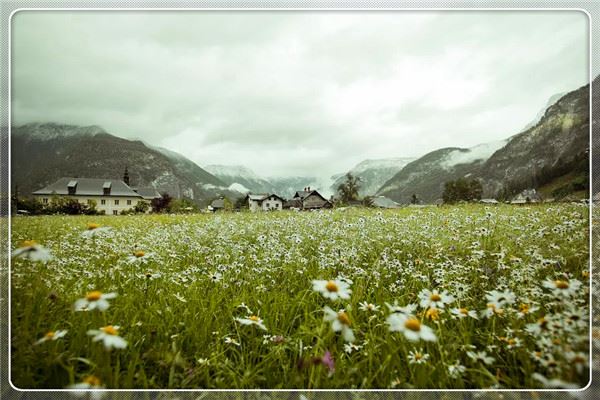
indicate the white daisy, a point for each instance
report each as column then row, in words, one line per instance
column 336, row 289
column 52, row 335
column 339, row 322
column 500, row 299
column 411, row 327
column 109, row 335
column 434, row 299
column 32, row 251
column 90, row 384
column 93, row 300
column 481, row 356
column 562, row 288
column 463, row 313
column 252, row 320
column 417, row 357
column 364, row 306
column 93, row 230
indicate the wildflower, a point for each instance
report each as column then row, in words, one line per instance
column 434, row 299
column 32, row 251
column 93, row 230
column 562, row 288
column 526, row 309
column 89, row 382
column 364, row 306
column 329, row 362
column 463, row 313
column 500, row 299
column 481, row 356
column 579, row 360
column 411, row 327
column 417, row 357
column 407, row 310
column 252, row 320
column 109, row 335
column 336, row 289
column 433, row 314
column 339, row 322
column 229, row 340
column 203, row 361
column 216, row 276
column 93, row 300
column 139, row 256
column 491, row 310
column 535, row 329
column 52, row 335
column 456, row 370
column 350, row 347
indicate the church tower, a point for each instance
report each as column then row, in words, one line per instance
column 126, row 176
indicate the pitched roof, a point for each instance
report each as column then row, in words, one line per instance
column 88, row 187
column 148, row 193
column 263, row 196
column 218, row 203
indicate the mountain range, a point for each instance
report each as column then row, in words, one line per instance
column 554, row 148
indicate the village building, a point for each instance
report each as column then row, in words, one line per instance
column 264, row 202
column 311, row 199
column 217, row 205
column 526, row 196
column 111, row 196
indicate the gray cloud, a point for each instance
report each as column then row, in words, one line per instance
column 296, row 93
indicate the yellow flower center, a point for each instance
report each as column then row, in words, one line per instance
column 331, row 286
column 49, row 335
column 524, row 308
column 435, row 297
column 579, row 359
column 109, row 330
column 418, row 356
column 92, row 226
column 343, row 318
column 139, row 253
column 542, row 322
column 463, row 311
column 585, row 274
column 29, row 243
column 432, row 313
column 413, row 324
column 93, row 296
column 511, row 342
column 254, row 318
column 91, row 380
column 561, row 284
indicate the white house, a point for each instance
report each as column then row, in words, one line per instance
column 264, row 202
column 112, row 196
column 527, row 196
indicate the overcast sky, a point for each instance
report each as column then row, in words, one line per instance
column 296, row 93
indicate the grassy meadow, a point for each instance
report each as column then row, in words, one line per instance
column 439, row 297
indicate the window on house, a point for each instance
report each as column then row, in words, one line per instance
column 45, row 200
column 115, row 212
column 128, row 202
column 89, row 202
column 277, row 205
column 103, row 202
column 116, row 202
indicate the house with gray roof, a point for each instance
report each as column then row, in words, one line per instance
column 264, row 202
column 112, row 196
column 311, row 199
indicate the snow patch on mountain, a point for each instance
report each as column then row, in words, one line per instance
column 480, row 152
column 232, row 171
column 238, row 187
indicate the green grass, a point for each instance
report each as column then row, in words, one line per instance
column 176, row 321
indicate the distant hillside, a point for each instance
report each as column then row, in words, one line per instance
column 373, row 174
column 558, row 145
column 242, row 178
column 427, row 175
column 42, row 153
